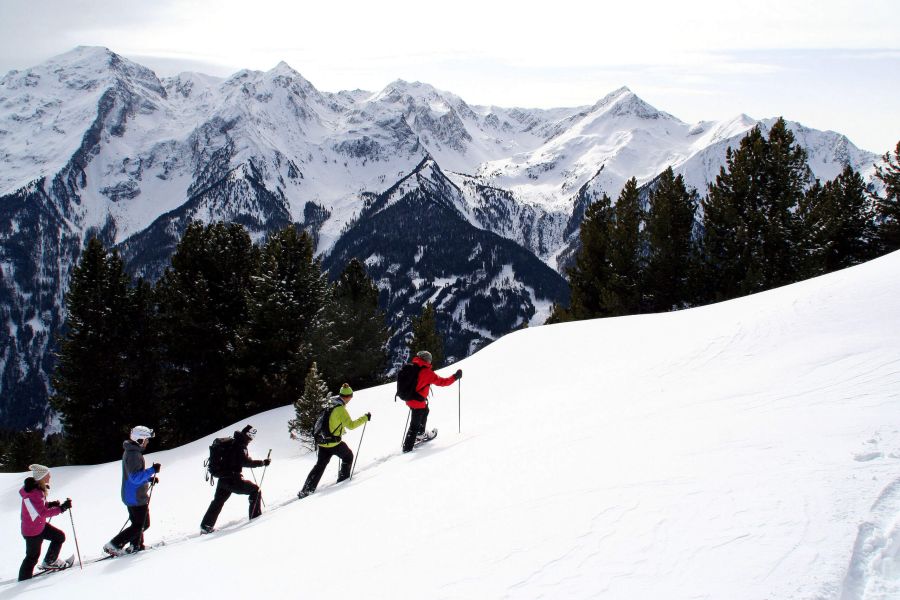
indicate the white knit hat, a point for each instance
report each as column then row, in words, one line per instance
column 38, row 471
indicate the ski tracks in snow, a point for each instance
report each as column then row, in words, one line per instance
column 874, row 570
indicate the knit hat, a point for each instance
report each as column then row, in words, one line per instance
column 38, row 471
column 346, row 390
column 424, row 355
column 249, row 431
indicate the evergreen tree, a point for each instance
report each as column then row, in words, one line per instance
column 96, row 357
column 202, row 304
column 621, row 294
column 307, row 408
column 668, row 233
column 21, row 449
column 286, row 328
column 889, row 207
column 425, row 336
column 837, row 224
column 751, row 238
column 592, row 269
column 359, row 328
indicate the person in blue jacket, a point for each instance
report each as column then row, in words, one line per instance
column 136, row 480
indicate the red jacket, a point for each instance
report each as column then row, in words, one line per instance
column 426, row 378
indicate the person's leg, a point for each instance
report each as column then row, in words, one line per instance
column 129, row 533
column 223, row 491
column 32, row 553
column 140, row 515
column 244, row 487
column 312, row 480
column 56, row 539
column 344, row 452
column 417, row 423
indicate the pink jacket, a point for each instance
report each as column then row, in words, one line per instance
column 35, row 511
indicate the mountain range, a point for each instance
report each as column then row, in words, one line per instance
column 475, row 208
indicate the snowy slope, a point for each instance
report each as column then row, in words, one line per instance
column 743, row 450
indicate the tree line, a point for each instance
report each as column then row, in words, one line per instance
column 764, row 222
column 230, row 329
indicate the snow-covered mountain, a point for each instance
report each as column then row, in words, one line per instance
column 94, row 144
column 739, row 451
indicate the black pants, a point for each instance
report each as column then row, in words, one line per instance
column 226, row 487
column 134, row 533
column 33, row 549
column 417, row 421
column 342, row 451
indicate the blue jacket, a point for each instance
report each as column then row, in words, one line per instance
column 135, row 477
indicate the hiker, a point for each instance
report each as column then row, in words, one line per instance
column 136, row 480
column 338, row 420
column 35, row 528
column 418, row 404
column 231, row 481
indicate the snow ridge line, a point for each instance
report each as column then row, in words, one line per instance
column 874, row 569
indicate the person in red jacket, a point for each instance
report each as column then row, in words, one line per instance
column 35, row 528
column 419, row 408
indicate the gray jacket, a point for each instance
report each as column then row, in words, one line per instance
column 135, row 478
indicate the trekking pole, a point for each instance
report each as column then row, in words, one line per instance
column 259, row 498
column 405, row 428
column 358, row 449
column 75, row 535
column 146, row 514
column 459, row 407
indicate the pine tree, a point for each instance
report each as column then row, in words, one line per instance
column 22, row 449
column 307, row 408
column 202, row 305
column 621, row 294
column 96, row 357
column 752, row 238
column 286, row 328
column 359, row 328
column 837, row 224
column 592, row 269
column 888, row 208
column 425, row 336
column 670, row 263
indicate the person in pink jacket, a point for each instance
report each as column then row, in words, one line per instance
column 35, row 528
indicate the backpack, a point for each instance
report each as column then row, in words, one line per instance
column 221, row 458
column 407, row 380
column 321, row 433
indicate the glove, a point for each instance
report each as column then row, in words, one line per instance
column 154, row 480
column 368, row 416
column 157, row 467
column 66, row 505
column 266, row 462
column 53, row 504
column 458, row 374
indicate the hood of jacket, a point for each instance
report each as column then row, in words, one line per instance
column 421, row 363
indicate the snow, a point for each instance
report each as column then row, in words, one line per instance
column 742, row 450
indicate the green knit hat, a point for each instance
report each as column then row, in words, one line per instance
column 346, row 390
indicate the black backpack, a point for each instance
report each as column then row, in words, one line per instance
column 321, row 433
column 221, row 457
column 407, row 380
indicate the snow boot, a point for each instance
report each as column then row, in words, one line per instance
column 112, row 550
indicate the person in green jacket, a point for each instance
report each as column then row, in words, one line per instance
column 338, row 421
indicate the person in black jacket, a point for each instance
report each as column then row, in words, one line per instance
column 233, row 482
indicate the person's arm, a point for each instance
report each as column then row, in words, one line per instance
column 346, row 421
column 134, row 468
column 438, row 380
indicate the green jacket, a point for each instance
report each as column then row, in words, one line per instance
column 340, row 420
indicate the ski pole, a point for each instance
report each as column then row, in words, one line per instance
column 75, row 535
column 459, row 407
column 146, row 514
column 405, row 428
column 358, row 449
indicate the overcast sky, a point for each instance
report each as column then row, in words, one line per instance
column 829, row 64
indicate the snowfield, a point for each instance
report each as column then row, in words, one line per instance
column 744, row 450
